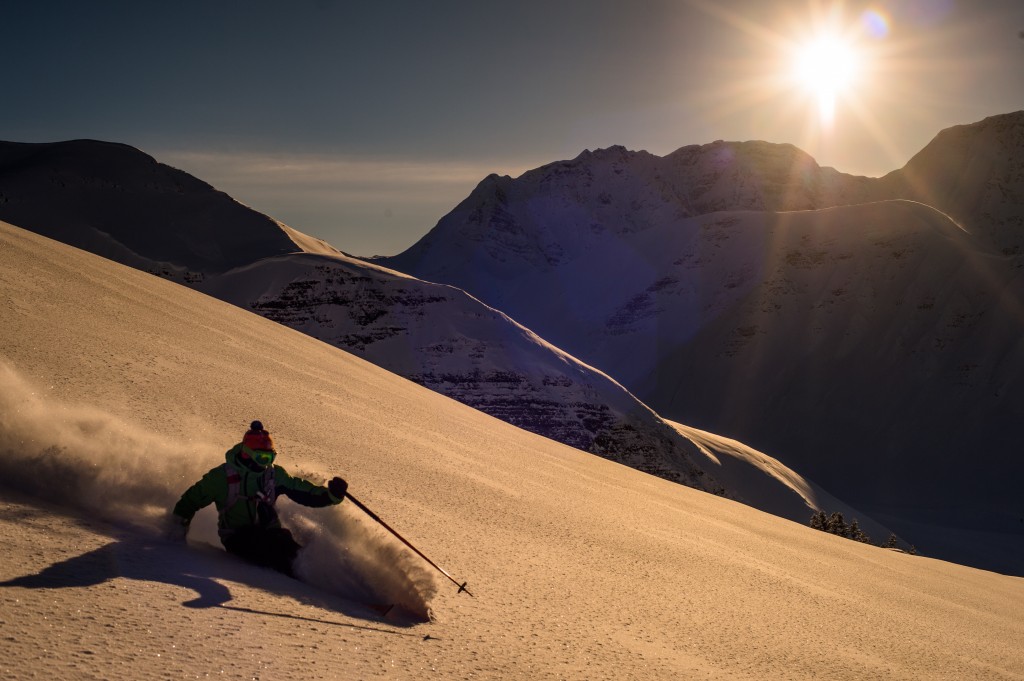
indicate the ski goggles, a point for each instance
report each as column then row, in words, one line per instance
column 263, row 457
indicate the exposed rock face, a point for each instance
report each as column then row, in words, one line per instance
column 446, row 340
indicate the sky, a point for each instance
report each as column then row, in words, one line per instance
column 363, row 123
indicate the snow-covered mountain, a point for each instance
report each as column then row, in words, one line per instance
column 435, row 335
column 446, row 340
column 118, row 389
column 974, row 173
column 839, row 322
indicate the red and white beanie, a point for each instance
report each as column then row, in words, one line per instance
column 258, row 438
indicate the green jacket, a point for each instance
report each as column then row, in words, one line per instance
column 256, row 493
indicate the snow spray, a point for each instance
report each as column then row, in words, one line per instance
column 82, row 458
column 89, row 461
column 343, row 554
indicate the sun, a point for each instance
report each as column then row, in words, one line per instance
column 826, row 67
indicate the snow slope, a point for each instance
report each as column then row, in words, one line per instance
column 433, row 334
column 774, row 488
column 119, row 387
column 120, row 203
column 867, row 341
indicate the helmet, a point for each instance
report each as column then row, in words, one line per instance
column 258, row 445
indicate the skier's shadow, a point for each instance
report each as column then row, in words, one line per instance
column 129, row 558
column 154, row 560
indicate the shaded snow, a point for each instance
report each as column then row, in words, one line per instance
column 867, row 332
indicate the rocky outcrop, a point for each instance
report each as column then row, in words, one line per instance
column 446, row 340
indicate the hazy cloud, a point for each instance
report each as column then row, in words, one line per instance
column 361, row 205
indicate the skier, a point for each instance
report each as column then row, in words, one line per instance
column 244, row 489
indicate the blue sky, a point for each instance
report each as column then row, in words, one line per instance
column 365, row 122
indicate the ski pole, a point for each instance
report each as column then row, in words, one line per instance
column 462, row 587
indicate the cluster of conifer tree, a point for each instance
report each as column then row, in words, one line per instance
column 837, row 525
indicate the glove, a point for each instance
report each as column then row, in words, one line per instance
column 176, row 528
column 337, row 487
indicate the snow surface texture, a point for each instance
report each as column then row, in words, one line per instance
column 581, row 568
column 871, row 347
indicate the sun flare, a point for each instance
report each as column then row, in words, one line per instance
column 826, row 67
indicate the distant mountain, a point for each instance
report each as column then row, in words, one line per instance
column 839, row 322
column 513, row 239
column 120, row 203
column 975, row 174
column 116, row 201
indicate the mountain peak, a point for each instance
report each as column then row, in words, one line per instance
column 79, row 157
column 998, row 122
column 750, row 151
column 974, row 173
column 1007, row 130
column 119, row 202
column 614, row 152
column 555, row 213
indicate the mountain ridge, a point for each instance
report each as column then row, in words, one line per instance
column 131, row 208
column 433, row 334
column 642, row 274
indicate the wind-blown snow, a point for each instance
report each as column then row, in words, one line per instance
column 105, row 468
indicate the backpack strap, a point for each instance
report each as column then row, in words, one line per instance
column 234, row 488
column 269, row 485
column 268, row 493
